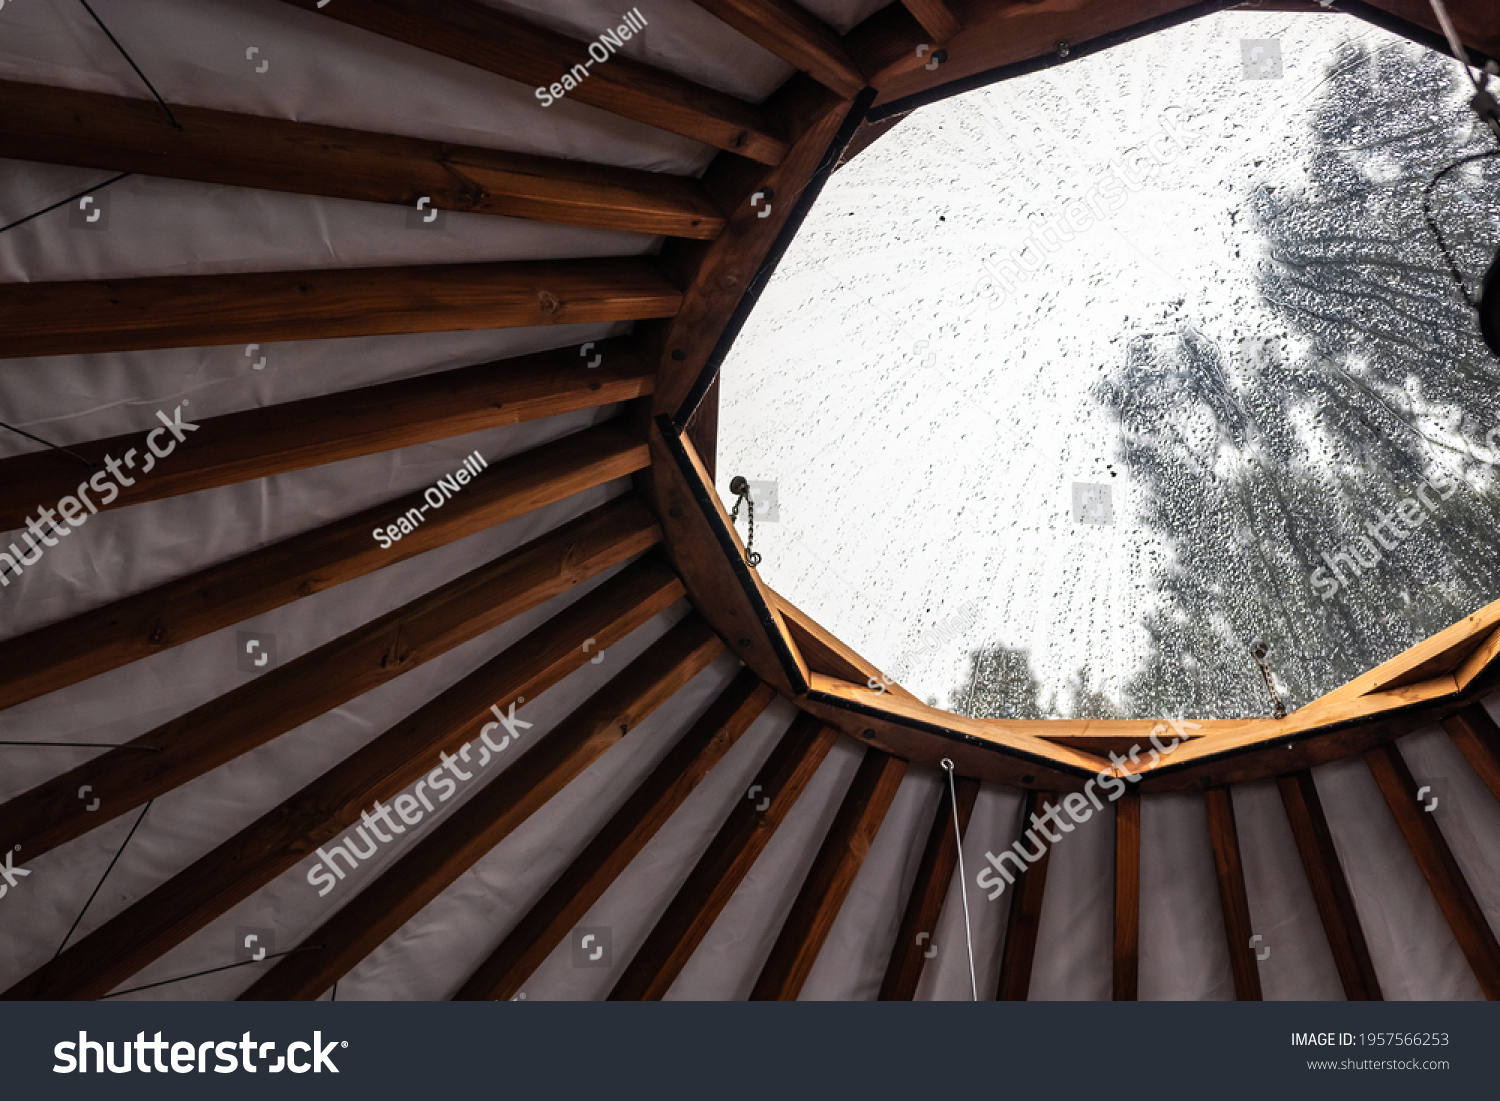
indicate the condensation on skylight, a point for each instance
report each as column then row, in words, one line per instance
column 1074, row 388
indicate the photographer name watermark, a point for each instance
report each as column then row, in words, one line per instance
column 446, row 489
column 600, row 51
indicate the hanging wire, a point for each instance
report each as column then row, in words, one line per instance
column 63, row 202
column 963, row 882
column 741, row 490
column 55, row 447
column 133, row 65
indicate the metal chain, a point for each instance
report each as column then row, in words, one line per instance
column 741, row 490
column 1259, row 652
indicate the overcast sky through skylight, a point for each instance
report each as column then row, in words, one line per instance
column 1085, row 373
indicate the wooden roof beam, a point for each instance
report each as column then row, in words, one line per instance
column 278, row 439
column 92, row 130
column 300, row 690
column 501, row 43
column 1478, row 738
column 728, row 859
column 914, row 940
column 621, row 840
column 190, row 311
column 1330, row 890
column 1433, row 856
column 937, row 18
column 459, row 841
column 1023, row 920
column 380, row 770
column 1232, row 895
column 1127, row 928
column 832, row 874
column 217, row 596
column 795, row 35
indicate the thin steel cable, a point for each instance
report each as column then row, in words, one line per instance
column 211, row 971
column 133, row 65
column 42, row 979
column 55, row 447
column 963, row 882
column 64, row 202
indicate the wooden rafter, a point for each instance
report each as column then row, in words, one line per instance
column 828, row 881
column 915, row 939
column 1433, row 856
column 885, row 45
column 1330, row 889
column 937, row 18
column 1023, row 921
column 1127, row 928
column 729, row 857
column 182, row 311
column 794, row 35
column 218, row 596
column 498, row 42
column 620, row 841
column 302, row 689
column 1478, row 738
column 92, row 130
column 492, row 814
column 277, row 439
column 716, row 274
column 380, row 770
column 1225, row 840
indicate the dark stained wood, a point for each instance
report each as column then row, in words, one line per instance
column 710, row 558
column 832, row 874
column 1474, row 20
column 300, row 690
column 936, row 17
column 1465, row 916
column 728, row 859
column 703, row 431
column 793, row 34
column 1325, row 875
column 183, row 311
column 1231, row 873
column 491, row 815
column 92, row 130
column 924, row 907
column 621, row 840
column 178, row 611
column 885, row 45
column 498, row 42
column 1127, row 949
column 324, row 808
column 1023, row 921
column 1478, row 738
column 715, row 275
column 276, row 439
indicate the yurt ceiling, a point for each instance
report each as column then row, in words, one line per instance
column 372, row 628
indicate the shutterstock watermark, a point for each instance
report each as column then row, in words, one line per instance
column 1109, row 195
column 1390, row 529
column 76, row 510
column 1078, row 808
column 409, row 806
column 599, row 51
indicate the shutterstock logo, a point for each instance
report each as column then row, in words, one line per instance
column 188, row 1058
